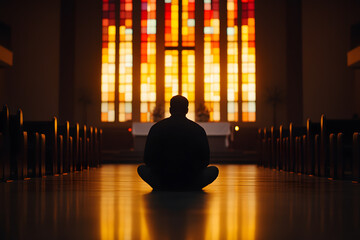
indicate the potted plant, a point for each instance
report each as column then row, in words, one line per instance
column 158, row 113
column 202, row 113
column 274, row 97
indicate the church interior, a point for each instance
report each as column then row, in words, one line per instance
column 273, row 83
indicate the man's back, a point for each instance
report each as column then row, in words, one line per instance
column 175, row 145
column 177, row 152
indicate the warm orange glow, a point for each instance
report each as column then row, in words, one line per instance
column 188, row 80
column 188, row 23
column 129, row 210
column 121, row 216
column 232, row 62
column 171, row 23
column 240, row 209
column 212, row 58
column 125, row 61
column 248, row 86
column 148, row 59
column 179, row 74
column 171, row 77
column 108, row 63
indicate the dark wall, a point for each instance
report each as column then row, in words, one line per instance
column 42, row 48
column 3, row 87
column 32, row 82
column 270, row 59
column 327, row 81
column 88, row 61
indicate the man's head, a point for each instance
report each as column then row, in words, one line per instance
column 179, row 105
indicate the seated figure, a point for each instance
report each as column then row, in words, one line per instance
column 177, row 153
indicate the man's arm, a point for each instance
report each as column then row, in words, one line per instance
column 205, row 149
column 149, row 148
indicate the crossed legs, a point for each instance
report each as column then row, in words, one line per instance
column 204, row 178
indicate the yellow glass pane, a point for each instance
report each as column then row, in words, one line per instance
column 148, row 60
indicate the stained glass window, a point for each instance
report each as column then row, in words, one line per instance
column 108, row 62
column 212, row 58
column 188, row 80
column 179, row 50
column 125, row 61
column 171, row 77
column 148, row 59
column 188, row 23
column 171, row 23
column 232, row 61
column 248, row 87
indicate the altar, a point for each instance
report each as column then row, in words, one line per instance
column 218, row 134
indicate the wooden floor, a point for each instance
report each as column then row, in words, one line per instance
column 245, row 202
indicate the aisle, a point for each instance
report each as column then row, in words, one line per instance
column 245, row 202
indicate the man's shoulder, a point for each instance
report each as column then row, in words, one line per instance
column 159, row 124
column 195, row 125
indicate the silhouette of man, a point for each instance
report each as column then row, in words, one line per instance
column 177, row 152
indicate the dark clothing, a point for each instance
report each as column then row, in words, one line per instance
column 176, row 150
column 201, row 180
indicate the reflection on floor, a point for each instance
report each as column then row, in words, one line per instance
column 245, row 202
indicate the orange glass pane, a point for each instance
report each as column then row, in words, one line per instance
column 188, row 80
column 232, row 61
column 248, row 61
column 171, row 77
column 125, row 61
column 148, row 59
column 188, row 23
column 108, row 62
column 171, row 23
column 212, row 58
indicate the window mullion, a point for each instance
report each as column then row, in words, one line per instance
column 117, row 56
column 223, row 62
column 180, row 49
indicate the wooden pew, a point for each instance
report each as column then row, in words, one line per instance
column 312, row 129
column 1, row 163
column 71, row 154
column 18, row 147
column 75, row 138
column 343, row 145
column 13, row 149
column 317, row 155
column 356, row 158
column 64, row 130
column 300, row 153
column 260, row 138
column 97, row 135
column 274, row 135
column 5, row 146
column 83, row 163
column 283, row 134
column 287, row 153
column 50, row 130
column 39, row 148
column 330, row 148
column 99, row 147
column 36, row 154
column 266, row 146
column 60, row 159
column 336, row 156
column 90, row 146
column 96, row 147
column 295, row 146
